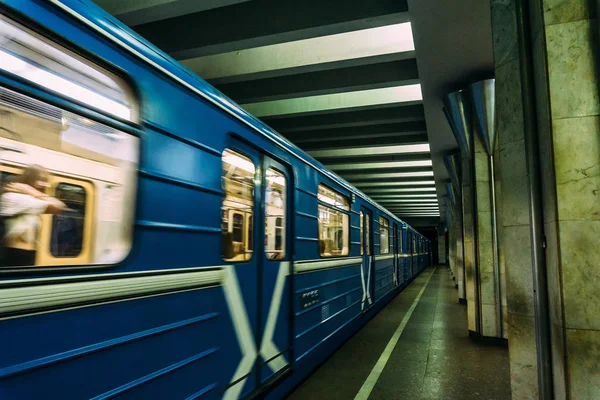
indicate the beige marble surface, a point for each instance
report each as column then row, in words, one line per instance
column 509, row 113
column 522, row 354
column 583, row 360
column 580, row 254
column 519, row 274
column 560, row 11
column 577, row 166
column 488, row 320
column 572, row 77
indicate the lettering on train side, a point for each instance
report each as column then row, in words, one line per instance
column 309, row 298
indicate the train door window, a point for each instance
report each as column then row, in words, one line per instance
column 275, row 209
column 333, row 222
column 384, row 235
column 368, row 234
column 43, row 142
column 67, row 236
column 362, row 251
column 400, row 250
column 238, row 206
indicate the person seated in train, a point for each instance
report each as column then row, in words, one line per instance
column 22, row 201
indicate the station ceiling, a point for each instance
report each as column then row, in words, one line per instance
column 357, row 84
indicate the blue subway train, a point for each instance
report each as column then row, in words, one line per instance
column 195, row 253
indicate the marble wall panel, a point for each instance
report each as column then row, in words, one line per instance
column 519, row 272
column 572, row 77
column 522, row 356
column 579, row 257
column 560, row 11
column 504, row 31
column 577, row 166
column 509, row 112
column 583, row 348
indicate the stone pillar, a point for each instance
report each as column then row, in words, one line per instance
column 484, row 245
column 565, row 53
column 460, row 266
column 471, row 286
column 442, row 248
column 513, row 213
column 452, row 240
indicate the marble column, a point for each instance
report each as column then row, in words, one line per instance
column 471, row 286
column 460, row 266
column 441, row 249
column 513, row 213
column 566, row 53
column 484, row 244
column 452, row 240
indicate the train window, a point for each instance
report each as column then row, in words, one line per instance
column 67, row 237
column 275, row 209
column 384, row 235
column 35, row 59
column 41, row 142
column 333, row 223
column 238, row 206
column 45, row 223
column 362, row 251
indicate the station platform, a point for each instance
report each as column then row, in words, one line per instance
column 418, row 347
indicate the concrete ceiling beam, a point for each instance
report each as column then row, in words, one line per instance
column 344, row 79
column 135, row 13
column 265, row 22
column 361, row 117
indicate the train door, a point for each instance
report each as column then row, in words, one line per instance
column 396, row 236
column 367, row 271
column 275, row 286
column 257, row 234
column 410, row 254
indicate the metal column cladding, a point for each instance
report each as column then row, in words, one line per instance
column 458, row 113
column 483, row 100
column 452, row 164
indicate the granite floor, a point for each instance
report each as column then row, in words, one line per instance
column 433, row 359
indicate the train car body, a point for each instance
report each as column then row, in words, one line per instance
column 202, row 255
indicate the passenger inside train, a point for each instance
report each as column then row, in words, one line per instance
column 23, row 199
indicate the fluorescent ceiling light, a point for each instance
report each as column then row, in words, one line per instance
column 336, row 101
column 416, row 201
column 413, row 208
column 379, row 165
column 390, row 184
column 371, row 42
column 402, row 196
column 372, row 151
column 46, row 79
column 392, row 175
column 398, row 190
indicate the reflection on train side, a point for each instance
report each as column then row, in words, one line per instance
column 238, row 206
column 68, row 182
column 334, row 229
column 67, row 186
column 238, row 209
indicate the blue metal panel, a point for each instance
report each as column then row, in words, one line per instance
column 85, row 352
